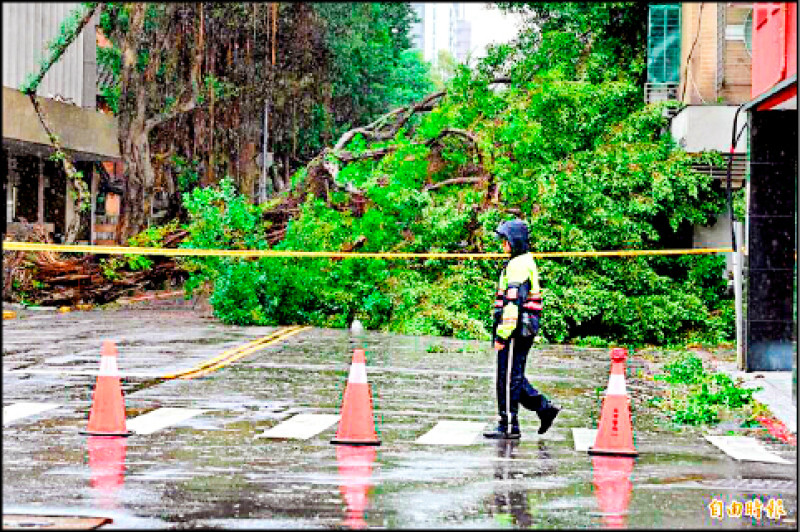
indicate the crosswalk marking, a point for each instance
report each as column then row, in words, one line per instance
column 745, row 448
column 158, row 419
column 19, row 410
column 583, row 438
column 452, row 433
column 86, row 372
column 301, row 426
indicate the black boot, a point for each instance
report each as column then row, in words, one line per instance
column 500, row 431
column 514, row 433
column 547, row 416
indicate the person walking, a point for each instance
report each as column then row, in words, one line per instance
column 517, row 311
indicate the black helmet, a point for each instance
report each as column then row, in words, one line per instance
column 516, row 233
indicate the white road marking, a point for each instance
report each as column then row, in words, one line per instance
column 301, row 426
column 87, row 372
column 452, row 433
column 19, row 410
column 158, row 419
column 584, row 438
column 745, row 448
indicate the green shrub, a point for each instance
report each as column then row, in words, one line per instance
column 698, row 397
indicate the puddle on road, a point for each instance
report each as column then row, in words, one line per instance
column 212, row 470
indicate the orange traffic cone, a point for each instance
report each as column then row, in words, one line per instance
column 612, row 484
column 355, row 469
column 615, row 435
column 357, row 425
column 107, row 416
column 107, row 464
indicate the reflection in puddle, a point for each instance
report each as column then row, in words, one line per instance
column 107, row 465
column 612, row 484
column 355, row 472
column 511, row 504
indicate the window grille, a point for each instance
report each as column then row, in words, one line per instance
column 664, row 43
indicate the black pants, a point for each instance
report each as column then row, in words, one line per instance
column 520, row 391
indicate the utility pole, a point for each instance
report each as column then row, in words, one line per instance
column 266, row 157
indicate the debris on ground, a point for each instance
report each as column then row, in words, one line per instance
column 53, row 279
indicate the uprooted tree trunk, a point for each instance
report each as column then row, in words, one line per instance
column 324, row 168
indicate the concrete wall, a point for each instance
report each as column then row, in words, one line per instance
column 27, row 28
column 700, row 128
column 718, row 235
column 90, row 134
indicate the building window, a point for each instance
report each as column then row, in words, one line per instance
column 664, row 43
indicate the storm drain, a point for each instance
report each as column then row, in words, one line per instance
column 60, row 522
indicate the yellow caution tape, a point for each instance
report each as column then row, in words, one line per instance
column 9, row 314
column 187, row 252
column 231, row 355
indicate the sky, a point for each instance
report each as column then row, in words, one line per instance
column 489, row 25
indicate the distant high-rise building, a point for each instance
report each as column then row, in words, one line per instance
column 463, row 39
column 417, row 32
column 441, row 27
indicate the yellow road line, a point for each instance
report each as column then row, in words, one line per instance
column 121, row 250
column 250, row 348
column 231, row 351
column 231, row 355
column 242, row 354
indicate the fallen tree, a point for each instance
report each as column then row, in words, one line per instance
column 53, row 279
column 585, row 164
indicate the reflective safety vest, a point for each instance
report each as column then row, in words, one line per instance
column 518, row 292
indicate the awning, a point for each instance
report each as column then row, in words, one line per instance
column 781, row 96
column 87, row 134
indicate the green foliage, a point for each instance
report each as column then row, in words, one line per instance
column 372, row 65
column 152, row 237
column 574, row 152
column 610, row 37
column 186, row 174
column 699, row 397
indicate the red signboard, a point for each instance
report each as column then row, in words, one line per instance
column 774, row 45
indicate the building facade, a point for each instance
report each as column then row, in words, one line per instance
column 36, row 188
column 699, row 54
column 771, row 239
column 734, row 66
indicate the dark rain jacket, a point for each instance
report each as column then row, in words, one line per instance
column 518, row 296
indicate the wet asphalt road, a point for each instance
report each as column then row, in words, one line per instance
column 213, row 471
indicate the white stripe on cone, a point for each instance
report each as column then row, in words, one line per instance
column 358, row 373
column 616, row 385
column 108, row 367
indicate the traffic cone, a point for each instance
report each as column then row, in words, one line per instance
column 107, row 416
column 355, row 470
column 612, row 484
column 615, row 435
column 357, row 425
column 107, row 465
